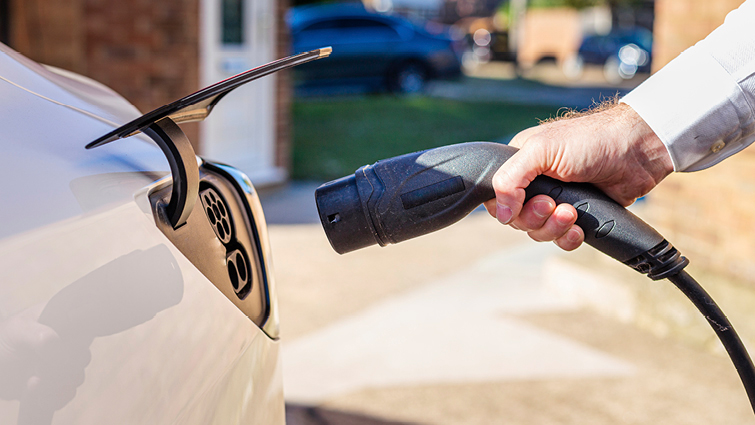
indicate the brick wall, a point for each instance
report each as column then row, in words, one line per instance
column 145, row 50
column 681, row 23
column 709, row 216
column 49, row 31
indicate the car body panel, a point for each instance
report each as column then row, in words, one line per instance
column 65, row 88
column 166, row 344
column 102, row 319
column 43, row 143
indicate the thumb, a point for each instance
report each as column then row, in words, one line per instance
column 513, row 177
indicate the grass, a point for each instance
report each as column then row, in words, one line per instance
column 334, row 137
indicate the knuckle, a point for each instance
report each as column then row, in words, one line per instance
column 542, row 235
column 535, row 238
column 519, row 224
column 564, row 216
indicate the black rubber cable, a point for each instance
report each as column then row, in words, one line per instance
column 722, row 327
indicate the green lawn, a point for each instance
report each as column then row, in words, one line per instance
column 334, row 137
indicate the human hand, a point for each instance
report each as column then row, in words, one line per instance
column 614, row 149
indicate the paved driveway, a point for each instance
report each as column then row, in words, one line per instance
column 472, row 325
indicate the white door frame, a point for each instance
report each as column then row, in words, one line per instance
column 241, row 129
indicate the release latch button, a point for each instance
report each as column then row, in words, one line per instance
column 604, row 230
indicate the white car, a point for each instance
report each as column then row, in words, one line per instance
column 133, row 290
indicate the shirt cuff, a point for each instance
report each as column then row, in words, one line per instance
column 696, row 108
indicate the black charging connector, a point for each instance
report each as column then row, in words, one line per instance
column 411, row 195
column 659, row 262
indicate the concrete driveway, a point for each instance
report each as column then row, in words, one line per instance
column 474, row 324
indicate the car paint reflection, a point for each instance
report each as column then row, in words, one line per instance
column 44, row 361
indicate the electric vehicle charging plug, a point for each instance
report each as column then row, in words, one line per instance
column 411, row 195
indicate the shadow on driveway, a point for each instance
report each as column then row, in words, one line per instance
column 297, row 414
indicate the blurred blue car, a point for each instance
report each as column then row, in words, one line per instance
column 622, row 53
column 379, row 51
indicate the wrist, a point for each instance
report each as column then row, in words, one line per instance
column 643, row 143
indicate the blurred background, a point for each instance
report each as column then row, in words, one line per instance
column 474, row 324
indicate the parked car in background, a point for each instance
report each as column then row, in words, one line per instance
column 374, row 50
column 112, row 311
column 622, row 53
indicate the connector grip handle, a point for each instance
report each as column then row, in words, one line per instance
column 411, row 195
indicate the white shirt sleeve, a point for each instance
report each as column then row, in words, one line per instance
column 701, row 105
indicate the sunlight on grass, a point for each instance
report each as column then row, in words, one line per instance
column 335, row 137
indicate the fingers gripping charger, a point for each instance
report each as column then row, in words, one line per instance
column 411, row 195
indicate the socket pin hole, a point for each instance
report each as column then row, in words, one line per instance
column 241, row 265
column 334, row 218
column 218, row 214
column 233, row 274
column 239, row 272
